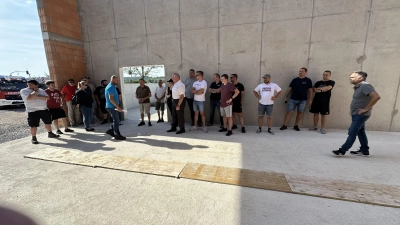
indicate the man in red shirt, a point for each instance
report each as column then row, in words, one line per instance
column 68, row 91
column 54, row 104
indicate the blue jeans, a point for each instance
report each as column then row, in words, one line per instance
column 115, row 116
column 300, row 104
column 86, row 111
column 92, row 113
column 357, row 129
column 215, row 104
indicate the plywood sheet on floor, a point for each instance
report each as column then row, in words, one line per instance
column 110, row 161
column 236, row 176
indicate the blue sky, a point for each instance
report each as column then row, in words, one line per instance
column 21, row 42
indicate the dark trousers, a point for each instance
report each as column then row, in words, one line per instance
column 215, row 104
column 169, row 104
column 190, row 104
column 178, row 117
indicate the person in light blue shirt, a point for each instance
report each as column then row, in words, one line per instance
column 112, row 106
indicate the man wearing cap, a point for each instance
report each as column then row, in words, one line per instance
column 160, row 100
column 90, row 89
column 54, row 103
column 178, row 105
column 68, row 92
column 265, row 93
column 143, row 94
column 36, row 107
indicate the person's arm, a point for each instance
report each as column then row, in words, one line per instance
column 229, row 101
column 256, row 94
column 323, row 89
column 36, row 95
column 193, row 90
column 243, row 95
column 310, row 96
column 178, row 106
column 111, row 98
column 374, row 99
column 199, row 92
column 277, row 95
column 289, row 90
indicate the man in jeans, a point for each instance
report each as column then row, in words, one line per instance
column 215, row 98
column 199, row 90
column 68, row 92
column 188, row 93
column 112, row 106
column 364, row 98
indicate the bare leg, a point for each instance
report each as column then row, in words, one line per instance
column 55, row 123
column 48, row 127
column 142, row 116
column 224, row 119
column 162, row 114
column 33, row 131
column 287, row 117
column 269, row 121
column 260, row 121
column 65, row 122
column 316, row 117
column 196, row 117
column 298, row 118
column 203, row 119
column 323, row 121
column 158, row 113
column 241, row 119
column 230, row 123
column 148, row 116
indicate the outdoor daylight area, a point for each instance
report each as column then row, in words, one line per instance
column 182, row 112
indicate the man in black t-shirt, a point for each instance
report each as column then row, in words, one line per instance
column 100, row 97
column 322, row 96
column 300, row 89
column 237, row 103
column 215, row 98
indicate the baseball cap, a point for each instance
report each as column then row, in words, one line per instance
column 49, row 82
column 267, row 76
column 170, row 80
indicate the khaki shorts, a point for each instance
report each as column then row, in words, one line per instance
column 226, row 111
column 144, row 108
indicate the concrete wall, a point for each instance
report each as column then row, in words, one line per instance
column 251, row 38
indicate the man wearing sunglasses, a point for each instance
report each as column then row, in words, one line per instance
column 68, row 92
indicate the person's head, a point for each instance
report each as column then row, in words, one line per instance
column 267, row 78
column 199, row 75
column 141, row 82
column 160, row 83
column 326, row 75
column 104, row 83
column 33, row 84
column 82, row 85
column 216, row 77
column 114, row 80
column 87, row 79
column 176, row 77
column 234, row 78
column 357, row 77
column 170, row 82
column 224, row 79
column 71, row 82
column 302, row 72
column 191, row 73
column 50, row 84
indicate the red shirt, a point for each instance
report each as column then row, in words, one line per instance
column 54, row 98
column 68, row 91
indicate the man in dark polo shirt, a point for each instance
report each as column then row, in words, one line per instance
column 300, row 89
column 364, row 98
column 143, row 94
column 215, row 98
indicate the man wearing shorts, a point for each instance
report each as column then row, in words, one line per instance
column 320, row 105
column 199, row 90
column 265, row 93
column 228, row 93
column 54, row 103
column 143, row 94
column 160, row 103
column 237, row 103
column 300, row 89
column 100, row 97
column 36, row 107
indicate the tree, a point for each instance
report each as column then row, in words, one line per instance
column 141, row 71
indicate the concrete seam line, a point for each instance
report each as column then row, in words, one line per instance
column 366, row 33
column 395, row 104
column 145, row 28
column 219, row 40
column 311, row 31
column 261, row 38
column 180, row 34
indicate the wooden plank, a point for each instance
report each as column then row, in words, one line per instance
column 376, row 194
column 236, row 176
column 125, row 163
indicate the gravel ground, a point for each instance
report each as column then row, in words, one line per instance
column 14, row 124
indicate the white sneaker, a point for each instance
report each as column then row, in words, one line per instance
column 313, row 128
column 205, row 129
column 193, row 128
column 323, row 131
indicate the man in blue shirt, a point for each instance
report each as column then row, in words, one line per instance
column 112, row 106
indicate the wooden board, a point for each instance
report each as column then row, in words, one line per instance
column 376, row 194
column 125, row 163
column 236, row 176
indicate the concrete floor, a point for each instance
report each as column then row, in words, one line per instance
column 56, row 193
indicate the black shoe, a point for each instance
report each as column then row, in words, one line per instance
column 111, row 133
column 270, row 131
column 89, row 129
column 34, row 141
column 68, row 130
column 119, row 137
column 104, row 121
column 159, row 121
column 221, row 126
column 171, row 130
column 141, row 123
column 234, row 126
column 53, row 135
column 229, row 133
column 59, row 132
column 223, row 130
column 296, row 128
column 209, row 125
column 181, row 131
column 162, row 120
column 360, row 153
column 243, row 130
column 339, row 152
column 149, row 123
column 284, row 127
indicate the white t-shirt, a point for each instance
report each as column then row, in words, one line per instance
column 160, row 91
column 200, row 85
column 267, row 91
column 34, row 104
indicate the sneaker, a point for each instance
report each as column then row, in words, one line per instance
column 110, row 132
column 121, row 123
column 209, row 125
column 258, row 130
column 181, row 131
column 270, row 132
column 223, row 130
column 162, row 120
column 59, row 132
column 171, row 130
column 34, row 141
column 205, row 129
column 284, row 127
column 149, row 123
column 296, row 128
column 360, row 153
column 339, row 152
column 243, row 130
column 68, row 130
column 234, row 126
column 104, row 122
column 229, row 133
column 159, row 121
column 119, row 137
column 53, row 135
column 89, row 129
column 323, row 131
column 141, row 123
column 313, row 128
column 193, row 128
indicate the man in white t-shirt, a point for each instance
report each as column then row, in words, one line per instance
column 160, row 103
column 199, row 90
column 265, row 93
